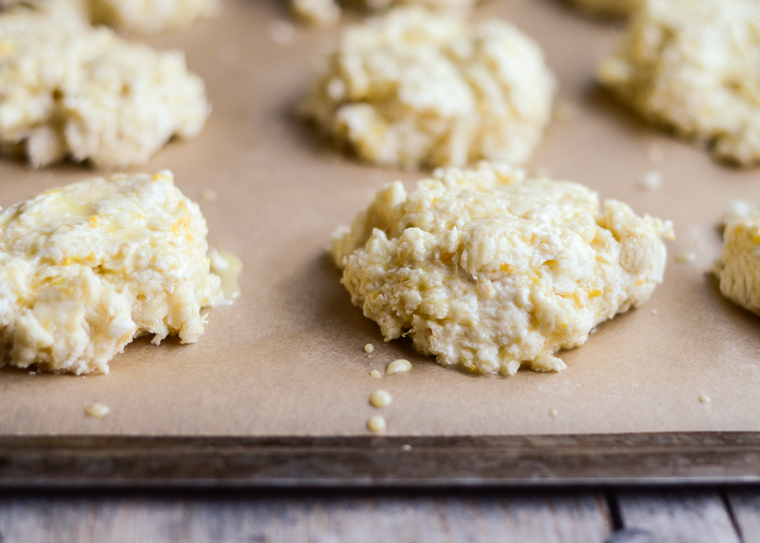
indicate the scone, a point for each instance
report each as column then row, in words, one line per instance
column 86, row 268
column 489, row 271
column 139, row 16
column 150, row 16
column 327, row 12
column 738, row 269
column 69, row 90
column 694, row 67
column 415, row 89
column 608, row 8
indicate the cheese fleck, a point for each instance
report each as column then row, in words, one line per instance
column 375, row 374
column 705, row 399
column 368, row 348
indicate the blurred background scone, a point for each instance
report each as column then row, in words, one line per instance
column 327, row 12
column 608, row 8
column 70, row 90
column 417, row 89
column 694, row 68
column 139, row 16
column 738, row 269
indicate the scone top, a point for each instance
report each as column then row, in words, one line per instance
column 86, row 268
column 488, row 270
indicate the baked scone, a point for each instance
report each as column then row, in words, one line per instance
column 69, row 90
column 694, row 67
column 139, row 16
column 738, row 269
column 416, row 89
column 327, row 12
column 489, row 271
column 86, row 268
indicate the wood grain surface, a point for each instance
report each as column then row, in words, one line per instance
column 293, row 517
column 679, row 517
column 583, row 516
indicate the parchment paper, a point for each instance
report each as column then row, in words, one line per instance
column 288, row 359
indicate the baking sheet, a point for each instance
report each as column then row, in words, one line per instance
column 287, row 358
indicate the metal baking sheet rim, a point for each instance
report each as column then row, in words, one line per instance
column 689, row 458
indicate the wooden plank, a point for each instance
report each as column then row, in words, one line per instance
column 744, row 505
column 696, row 516
column 369, row 461
column 316, row 518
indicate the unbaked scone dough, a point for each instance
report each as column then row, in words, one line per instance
column 738, row 269
column 608, row 8
column 327, row 12
column 694, row 67
column 139, row 16
column 150, row 16
column 67, row 89
column 489, row 271
column 415, row 89
column 86, row 268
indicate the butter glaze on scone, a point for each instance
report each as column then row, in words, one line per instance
column 415, row 89
column 489, row 271
column 694, row 67
column 70, row 90
column 86, row 268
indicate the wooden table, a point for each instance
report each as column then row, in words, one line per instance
column 522, row 489
column 689, row 515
